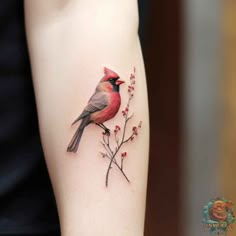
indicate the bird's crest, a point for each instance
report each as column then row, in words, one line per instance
column 109, row 74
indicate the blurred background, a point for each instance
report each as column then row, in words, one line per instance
column 189, row 49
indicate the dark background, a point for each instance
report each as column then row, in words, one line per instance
column 160, row 33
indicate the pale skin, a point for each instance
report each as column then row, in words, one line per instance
column 69, row 43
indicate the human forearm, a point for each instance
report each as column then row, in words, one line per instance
column 69, row 46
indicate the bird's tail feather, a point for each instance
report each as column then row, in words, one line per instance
column 74, row 143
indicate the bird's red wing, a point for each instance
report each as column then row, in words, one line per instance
column 96, row 103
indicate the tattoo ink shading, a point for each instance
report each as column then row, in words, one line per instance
column 103, row 106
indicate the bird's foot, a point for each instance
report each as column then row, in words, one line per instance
column 107, row 131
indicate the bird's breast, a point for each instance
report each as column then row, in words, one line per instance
column 109, row 111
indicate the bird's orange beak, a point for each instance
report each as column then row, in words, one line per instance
column 119, row 82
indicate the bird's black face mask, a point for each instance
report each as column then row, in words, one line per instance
column 115, row 82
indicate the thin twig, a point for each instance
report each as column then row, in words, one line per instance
column 107, row 145
column 121, row 164
column 119, row 167
column 127, row 118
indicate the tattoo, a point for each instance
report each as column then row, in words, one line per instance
column 103, row 106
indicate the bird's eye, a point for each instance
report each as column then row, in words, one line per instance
column 110, row 80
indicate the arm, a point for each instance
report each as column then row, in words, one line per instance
column 70, row 43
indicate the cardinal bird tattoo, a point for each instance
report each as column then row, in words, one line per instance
column 102, row 106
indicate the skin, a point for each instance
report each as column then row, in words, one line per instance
column 70, row 42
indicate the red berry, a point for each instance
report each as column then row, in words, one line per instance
column 123, row 154
column 132, row 76
column 117, row 127
column 140, row 124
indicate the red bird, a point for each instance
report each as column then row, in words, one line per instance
column 102, row 106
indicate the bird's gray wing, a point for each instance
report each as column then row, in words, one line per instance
column 96, row 103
